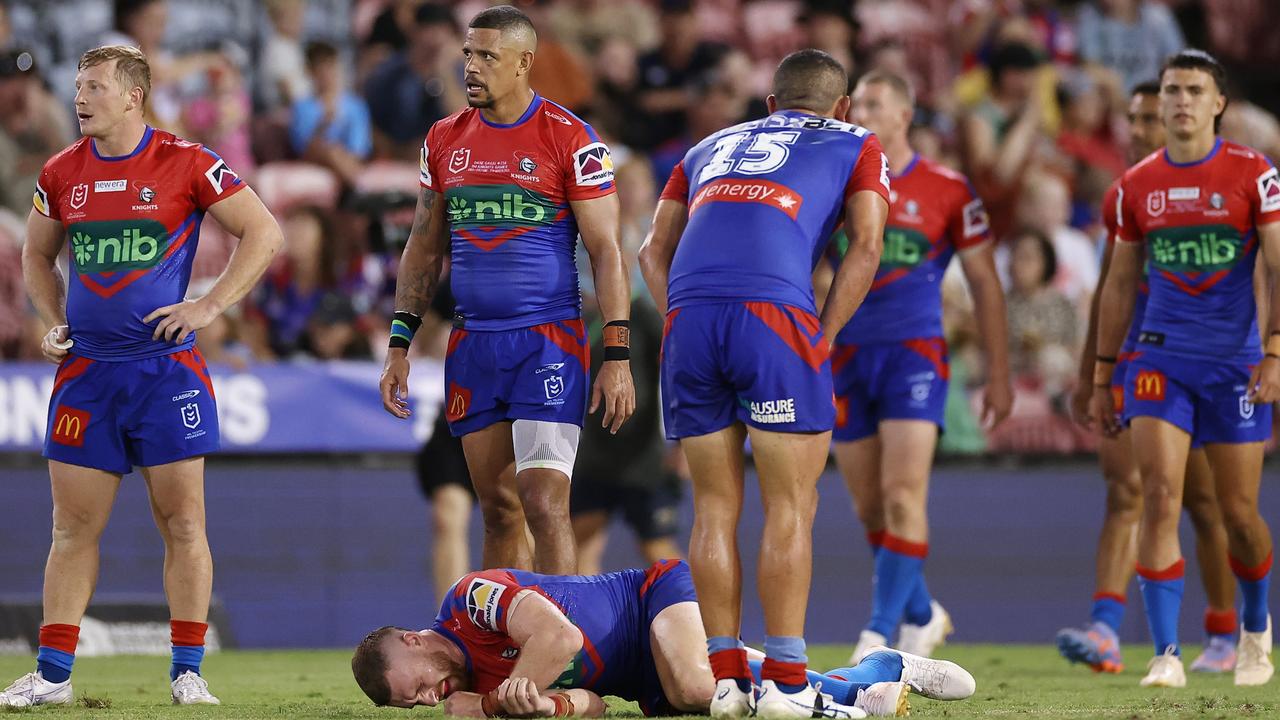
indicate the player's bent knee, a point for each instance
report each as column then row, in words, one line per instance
column 692, row 693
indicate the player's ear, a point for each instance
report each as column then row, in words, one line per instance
column 526, row 62
column 771, row 103
column 412, row 639
column 841, row 110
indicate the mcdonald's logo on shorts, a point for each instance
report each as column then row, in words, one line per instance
column 69, row 425
column 1149, row 385
column 458, row 401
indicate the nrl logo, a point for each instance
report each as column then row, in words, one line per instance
column 1155, row 203
column 459, row 160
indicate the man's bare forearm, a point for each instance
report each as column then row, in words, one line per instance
column 992, row 325
column 248, row 261
column 423, row 261
column 45, row 286
column 613, row 287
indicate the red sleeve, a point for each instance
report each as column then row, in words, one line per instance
column 212, row 179
column 1127, row 229
column 871, row 172
column 48, row 190
column 486, row 597
column 969, row 224
column 426, row 161
column 1267, row 209
column 588, row 166
column 677, row 187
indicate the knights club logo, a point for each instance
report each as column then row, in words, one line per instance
column 146, row 194
column 1155, row 203
column 459, row 160
column 79, row 195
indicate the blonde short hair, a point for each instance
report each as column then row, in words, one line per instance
column 132, row 68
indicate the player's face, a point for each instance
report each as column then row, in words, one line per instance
column 492, row 66
column 417, row 675
column 1189, row 100
column 1146, row 131
column 101, row 101
column 878, row 108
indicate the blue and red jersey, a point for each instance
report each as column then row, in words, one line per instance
column 763, row 198
column 507, row 190
column 608, row 609
column 1109, row 217
column 1200, row 222
column 133, row 222
column 933, row 212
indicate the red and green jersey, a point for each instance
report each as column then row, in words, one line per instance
column 507, row 190
column 133, row 222
column 1199, row 222
column 933, row 212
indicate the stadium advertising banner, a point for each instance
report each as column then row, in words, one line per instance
column 272, row 408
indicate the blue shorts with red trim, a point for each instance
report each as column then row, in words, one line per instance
column 535, row 373
column 764, row 364
column 666, row 583
column 114, row 415
column 888, row 381
column 1206, row 398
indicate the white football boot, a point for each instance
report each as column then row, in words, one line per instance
column 1253, row 658
column 884, row 699
column 191, row 689
column 934, row 679
column 730, row 702
column 811, row 702
column 867, row 640
column 924, row 639
column 32, row 689
column 1165, row 671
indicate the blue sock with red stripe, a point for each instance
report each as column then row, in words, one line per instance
column 1254, row 582
column 1162, row 597
column 729, row 660
column 844, row 683
column 898, row 570
column 57, row 651
column 784, row 662
column 1108, row 609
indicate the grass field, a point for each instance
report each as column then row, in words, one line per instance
column 1013, row 682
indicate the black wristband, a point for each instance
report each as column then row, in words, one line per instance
column 1105, row 359
column 403, row 326
column 617, row 352
column 619, row 323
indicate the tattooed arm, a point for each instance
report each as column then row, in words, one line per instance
column 416, row 283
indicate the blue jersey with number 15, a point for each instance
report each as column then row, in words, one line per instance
column 763, row 198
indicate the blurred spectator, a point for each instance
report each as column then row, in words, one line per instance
column 713, row 106
column 1042, row 321
column 393, row 27
column 1248, row 124
column 219, row 341
column 416, row 86
column 559, row 73
column 331, row 128
column 333, row 331
column 283, row 80
column 637, row 194
column 1132, row 37
column 1087, row 136
column 32, row 128
column 219, row 116
column 829, row 26
column 1001, row 132
column 617, row 110
column 142, row 23
column 13, row 296
column 586, row 25
column 292, row 289
column 666, row 72
column 1045, row 206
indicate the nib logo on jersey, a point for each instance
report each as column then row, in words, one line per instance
column 1206, row 248
column 489, row 215
column 903, row 248
column 109, row 246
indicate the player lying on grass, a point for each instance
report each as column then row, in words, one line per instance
column 515, row 643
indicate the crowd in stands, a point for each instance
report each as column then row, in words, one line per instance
column 322, row 106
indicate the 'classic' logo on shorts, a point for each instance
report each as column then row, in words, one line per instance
column 1149, row 385
column 69, row 425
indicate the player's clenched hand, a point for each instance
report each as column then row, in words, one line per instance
column 1103, row 409
column 394, row 384
column 614, row 390
column 997, row 402
column 181, row 319
column 1081, row 398
column 1264, row 382
column 56, row 343
column 519, row 697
